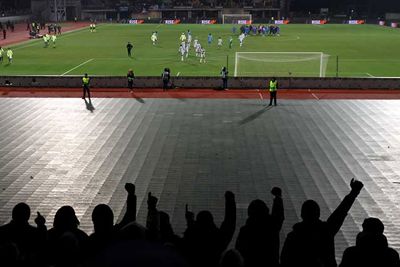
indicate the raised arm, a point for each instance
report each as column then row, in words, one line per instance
column 153, row 217
column 336, row 219
column 229, row 224
column 278, row 213
column 130, row 213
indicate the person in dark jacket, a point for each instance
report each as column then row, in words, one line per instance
column 105, row 231
column 371, row 248
column 258, row 240
column 166, row 77
column 204, row 242
column 26, row 241
column 130, row 76
column 66, row 242
column 312, row 241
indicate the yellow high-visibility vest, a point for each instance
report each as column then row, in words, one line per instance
column 85, row 80
column 273, row 86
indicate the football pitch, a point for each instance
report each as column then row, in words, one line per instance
column 300, row 50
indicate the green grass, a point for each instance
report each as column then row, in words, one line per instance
column 363, row 50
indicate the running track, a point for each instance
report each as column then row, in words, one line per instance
column 305, row 94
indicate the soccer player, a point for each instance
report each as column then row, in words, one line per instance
column 203, row 55
column 195, row 43
column 94, row 27
column 1, row 54
column 189, row 38
column 53, row 39
column 129, row 47
column 219, row 42
column 230, row 42
column 241, row 38
column 10, row 55
column 154, row 38
column 182, row 51
column 46, row 40
column 183, row 37
column 187, row 47
column 198, row 50
column 209, row 38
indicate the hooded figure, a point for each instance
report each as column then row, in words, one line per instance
column 371, row 248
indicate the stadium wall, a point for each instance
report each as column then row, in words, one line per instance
column 203, row 82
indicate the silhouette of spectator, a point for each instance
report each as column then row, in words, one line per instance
column 153, row 218
column 105, row 232
column 371, row 248
column 158, row 224
column 231, row 258
column 23, row 241
column 204, row 242
column 312, row 242
column 66, row 243
column 258, row 240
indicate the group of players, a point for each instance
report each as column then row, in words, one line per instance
column 47, row 38
column 263, row 30
column 186, row 42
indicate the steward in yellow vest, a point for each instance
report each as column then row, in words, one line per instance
column 85, row 86
column 273, row 88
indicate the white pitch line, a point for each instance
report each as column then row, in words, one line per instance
column 87, row 61
column 370, row 75
column 178, row 74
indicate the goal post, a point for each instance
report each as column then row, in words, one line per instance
column 298, row 64
column 237, row 18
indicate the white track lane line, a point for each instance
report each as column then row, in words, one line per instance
column 316, row 97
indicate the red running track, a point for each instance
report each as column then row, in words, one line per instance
column 321, row 94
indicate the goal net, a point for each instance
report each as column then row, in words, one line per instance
column 236, row 19
column 283, row 64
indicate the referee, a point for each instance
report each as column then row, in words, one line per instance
column 85, row 86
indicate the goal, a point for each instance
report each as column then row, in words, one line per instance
column 236, row 18
column 283, row 64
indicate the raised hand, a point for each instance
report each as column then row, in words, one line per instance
column 130, row 188
column 151, row 201
column 40, row 220
column 356, row 185
column 276, row 191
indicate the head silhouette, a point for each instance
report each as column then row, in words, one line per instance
column 205, row 219
column 65, row 219
column 21, row 213
column 373, row 225
column 257, row 209
column 310, row 211
column 103, row 218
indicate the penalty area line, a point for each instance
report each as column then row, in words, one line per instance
column 80, row 65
